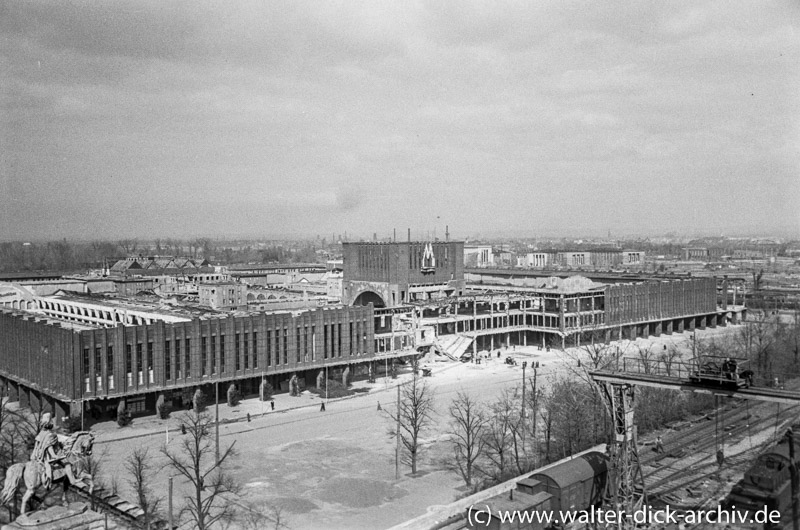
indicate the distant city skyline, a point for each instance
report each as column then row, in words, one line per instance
column 176, row 119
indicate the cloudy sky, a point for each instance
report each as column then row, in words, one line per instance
column 169, row 118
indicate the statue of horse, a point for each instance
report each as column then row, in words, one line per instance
column 71, row 468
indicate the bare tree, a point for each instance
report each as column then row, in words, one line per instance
column 592, row 357
column 757, row 339
column 500, row 434
column 128, row 246
column 416, row 409
column 29, row 422
column 569, row 416
column 141, row 471
column 535, row 397
column 7, row 429
column 467, row 434
column 210, row 483
column 547, row 414
column 647, row 359
column 668, row 358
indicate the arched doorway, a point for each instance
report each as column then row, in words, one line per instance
column 369, row 297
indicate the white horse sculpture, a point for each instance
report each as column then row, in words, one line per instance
column 72, row 468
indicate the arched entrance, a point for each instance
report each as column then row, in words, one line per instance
column 369, row 297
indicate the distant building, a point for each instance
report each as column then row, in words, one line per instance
column 536, row 260
column 632, row 257
column 223, row 295
column 333, row 285
column 478, row 256
column 603, row 258
column 334, row 265
column 505, row 258
column 574, row 259
column 160, row 266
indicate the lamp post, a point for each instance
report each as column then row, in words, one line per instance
column 216, row 423
column 524, row 365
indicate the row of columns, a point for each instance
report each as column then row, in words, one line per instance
column 632, row 331
column 33, row 399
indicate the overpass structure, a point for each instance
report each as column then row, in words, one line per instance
column 774, row 395
column 626, row 488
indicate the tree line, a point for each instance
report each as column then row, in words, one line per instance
column 75, row 256
column 523, row 429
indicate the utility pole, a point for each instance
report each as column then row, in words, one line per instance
column 793, row 475
column 216, row 412
column 169, row 506
column 397, row 436
column 535, row 398
column 524, row 365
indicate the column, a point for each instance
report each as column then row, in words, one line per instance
column 61, row 411
column 474, row 318
column 13, row 391
column 35, row 401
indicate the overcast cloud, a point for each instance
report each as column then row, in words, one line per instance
column 186, row 118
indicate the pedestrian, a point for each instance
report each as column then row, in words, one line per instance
column 248, row 417
column 322, row 407
column 379, row 406
column 272, row 404
column 183, row 428
column 659, row 445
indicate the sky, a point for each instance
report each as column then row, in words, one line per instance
column 165, row 118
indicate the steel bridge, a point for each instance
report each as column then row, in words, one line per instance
column 626, row 489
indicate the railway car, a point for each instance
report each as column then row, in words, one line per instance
column 576, row 484
column 767, row 482
column 730, row 372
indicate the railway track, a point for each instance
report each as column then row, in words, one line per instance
column 664, row 479
column 671, row 482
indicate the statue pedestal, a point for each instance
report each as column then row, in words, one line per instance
column 75, row 516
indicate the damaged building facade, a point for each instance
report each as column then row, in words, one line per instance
column 72, row 354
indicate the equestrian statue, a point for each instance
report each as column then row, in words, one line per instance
column 55, row 459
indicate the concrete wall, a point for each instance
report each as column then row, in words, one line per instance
column 38, row 353
column 660, row 299
column 101, row 363
column 267, row 343
column 401, row 263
